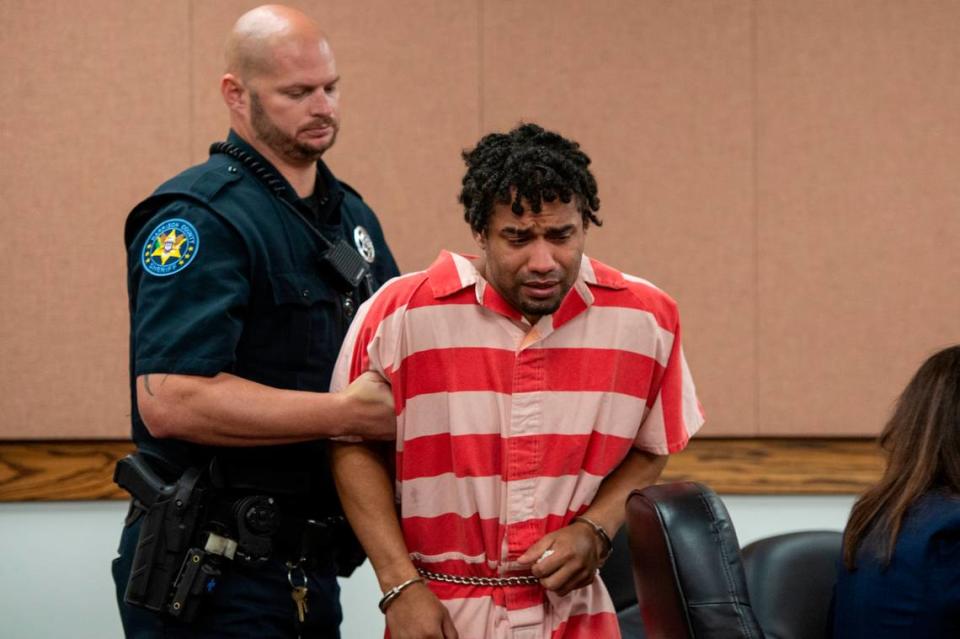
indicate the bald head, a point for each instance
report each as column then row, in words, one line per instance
column 281, row 88
column 261, row 33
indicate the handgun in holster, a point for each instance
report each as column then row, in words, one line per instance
column 169, row 571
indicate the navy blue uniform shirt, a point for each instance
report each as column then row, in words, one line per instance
column 225, row 275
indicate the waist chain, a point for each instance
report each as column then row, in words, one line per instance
column 462, row 580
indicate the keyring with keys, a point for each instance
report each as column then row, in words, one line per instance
column 299, row 593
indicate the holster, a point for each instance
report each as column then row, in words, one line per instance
column 191, row 526
column 167, row 568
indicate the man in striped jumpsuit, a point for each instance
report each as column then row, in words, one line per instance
column 535, row 387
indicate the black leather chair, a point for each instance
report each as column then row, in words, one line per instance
column 790, row 580
column 692, row 584
column 686, row 564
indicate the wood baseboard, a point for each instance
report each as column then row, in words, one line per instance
column 83, row 470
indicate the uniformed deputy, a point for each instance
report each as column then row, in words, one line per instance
column 244, row 273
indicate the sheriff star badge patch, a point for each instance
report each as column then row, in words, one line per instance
column 170, row 248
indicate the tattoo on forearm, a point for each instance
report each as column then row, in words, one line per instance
column 146, row 384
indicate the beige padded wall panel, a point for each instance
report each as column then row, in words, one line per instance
column 95, row 113
column 409, row 105
column 659, row 94
column 810, row 148
column 859, row 120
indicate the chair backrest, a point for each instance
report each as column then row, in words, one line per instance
column 686, row 565
column 790, row 579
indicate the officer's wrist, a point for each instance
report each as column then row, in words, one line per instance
column 342, row 415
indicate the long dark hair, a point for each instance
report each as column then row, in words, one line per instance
column 922, row 444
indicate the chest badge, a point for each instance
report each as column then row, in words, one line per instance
column 170, row 248
column 364, row 244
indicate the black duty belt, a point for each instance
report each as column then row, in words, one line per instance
column 248, row 524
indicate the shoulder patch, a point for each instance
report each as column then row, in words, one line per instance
column 170, row 248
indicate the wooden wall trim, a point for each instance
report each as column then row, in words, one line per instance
column 60, row 470
column 83, row 470
column 773, row 466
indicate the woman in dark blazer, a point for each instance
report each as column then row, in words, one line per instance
column 901, row 549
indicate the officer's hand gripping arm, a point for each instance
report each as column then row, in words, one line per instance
column 226, row 410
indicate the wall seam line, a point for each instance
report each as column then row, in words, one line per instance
column 191, row 79
column 755, row 188
column 480, row 68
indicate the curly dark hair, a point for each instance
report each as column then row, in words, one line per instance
column 528, row 164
